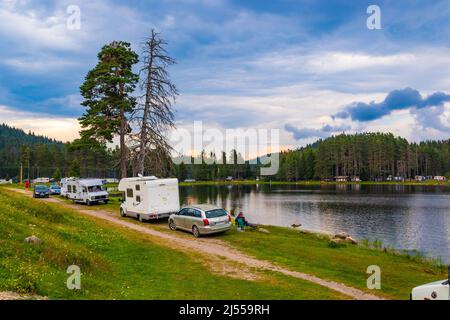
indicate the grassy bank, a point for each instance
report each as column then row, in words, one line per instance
column 313, row 253
column 116, row 263
column 311, row 182
column 302, row 251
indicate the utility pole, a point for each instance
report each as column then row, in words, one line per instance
column 21, row 172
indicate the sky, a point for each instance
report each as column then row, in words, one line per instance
column 311, row 69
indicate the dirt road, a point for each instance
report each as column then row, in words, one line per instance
column 212, row 248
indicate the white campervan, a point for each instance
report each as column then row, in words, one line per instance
column 88, row 191
column 149, row 198
column 64, row 182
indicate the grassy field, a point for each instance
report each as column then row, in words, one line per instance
column 312, row 253
column 116, row 263
column 302, row 251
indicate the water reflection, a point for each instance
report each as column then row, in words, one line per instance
column 406, row 217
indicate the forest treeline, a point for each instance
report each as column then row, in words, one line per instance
column 371, row 156
column 44, row 157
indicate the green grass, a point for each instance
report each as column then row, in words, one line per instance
column 116, row 263
column 301, row 251
column 312, row 253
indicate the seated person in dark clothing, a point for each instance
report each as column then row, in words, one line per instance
column 241, row 222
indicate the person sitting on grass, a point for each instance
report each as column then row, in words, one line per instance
column 241, row 222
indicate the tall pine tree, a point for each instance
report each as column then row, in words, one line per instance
column 107, row 93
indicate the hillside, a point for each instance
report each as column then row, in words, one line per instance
column 45, row 157
column 117, row 263
column 13, row 136
column 13, row 142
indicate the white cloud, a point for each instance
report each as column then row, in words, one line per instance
column 43, row 32
column 38, row 64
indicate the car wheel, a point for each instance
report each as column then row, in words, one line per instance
column 106, row 201
column 195, row 231
column 122, row 213
column 172, row 225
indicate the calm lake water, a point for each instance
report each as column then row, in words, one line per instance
column 404, row 217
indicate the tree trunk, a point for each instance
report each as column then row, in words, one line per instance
column 148, row 96
column 123, row 155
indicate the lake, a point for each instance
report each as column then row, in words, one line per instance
column 404, row 217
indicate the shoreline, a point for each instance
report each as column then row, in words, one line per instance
column 319, row 255
column 311, row 183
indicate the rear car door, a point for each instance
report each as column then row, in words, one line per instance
column 197, row 218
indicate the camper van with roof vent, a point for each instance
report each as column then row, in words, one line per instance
column 87, row 191
column 149, row 198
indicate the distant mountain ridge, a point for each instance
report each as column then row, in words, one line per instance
column 11, row 135
column 12, row 142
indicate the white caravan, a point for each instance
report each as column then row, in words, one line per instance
column 88, row 191
column 64, row 182
column 148, row 198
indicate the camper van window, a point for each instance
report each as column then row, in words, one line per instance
column 95, row 188
column 74, row 189
column 129, row 193
column 69, row 188
column 138, row 198
column 138, row 187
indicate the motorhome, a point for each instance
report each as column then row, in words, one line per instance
column 41, row 180
column 64, row 182
column 88, row 191
column 149, row 198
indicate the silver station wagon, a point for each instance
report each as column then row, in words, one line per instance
column 201, row 219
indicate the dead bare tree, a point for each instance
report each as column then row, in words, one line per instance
column 154, row 117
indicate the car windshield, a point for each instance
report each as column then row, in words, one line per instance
column 216, row 213
column 41, row 188
column 54, row 187
column 95, row 188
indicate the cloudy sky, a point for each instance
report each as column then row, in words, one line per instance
column 309, row 68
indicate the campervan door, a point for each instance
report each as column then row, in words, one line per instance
column 138, row 201
column 163, row 196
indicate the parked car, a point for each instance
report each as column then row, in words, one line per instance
column 87, row 191
column 201, row 219
column 149, row 198
column 54, row 189
column 41, row 191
